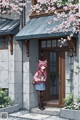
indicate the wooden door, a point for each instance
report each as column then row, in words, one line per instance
column 55, row 84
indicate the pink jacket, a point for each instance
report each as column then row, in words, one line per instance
column 38, row 75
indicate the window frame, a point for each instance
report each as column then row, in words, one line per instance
column 34, row 14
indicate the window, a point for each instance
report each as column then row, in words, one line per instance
column 44, row 11
column 3, row 44
column 52, row 43
column 34, row 2
column 6, row 90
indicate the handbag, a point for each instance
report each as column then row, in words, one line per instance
column 33, row 82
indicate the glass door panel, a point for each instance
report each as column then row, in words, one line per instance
column 54, row 76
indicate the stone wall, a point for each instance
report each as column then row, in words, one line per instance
column 69, row 65
column 33, row 67
column 29, row 68
column 76, row 76
column 72, row 84
column 26, row 81
column 15, row 73
column 4, row 67
column 11, row 71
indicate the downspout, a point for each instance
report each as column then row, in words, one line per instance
column 22, row 74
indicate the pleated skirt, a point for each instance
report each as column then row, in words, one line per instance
column 40, row 86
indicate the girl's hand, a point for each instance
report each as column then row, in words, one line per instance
column 44, row 80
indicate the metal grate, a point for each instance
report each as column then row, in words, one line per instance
column 4, row 116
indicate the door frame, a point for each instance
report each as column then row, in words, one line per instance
column 61, row 83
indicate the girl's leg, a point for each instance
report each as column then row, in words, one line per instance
column 39, row 99
column 42, row 99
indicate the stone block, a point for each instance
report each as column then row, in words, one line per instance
column 18, row 88
column 4, row 55
column 18, row 55
column 1, row 110
column 18, row 66
column 12, row 109
column 67, row 95
column 12, row 96
column 26, row 77
column 26, row 105
column 3, row 85
column 67, row 82
column 33, row 104
column 33, row 97
column 26, row 88
column 3, row 66
column 11, row 88
column 77, row 115
column 26, row 101
column 18, row 77
column 11, row 66
column 4, row 77
column 67, row 90
column 67, row 113
column 26, row 67
column 26, row 98
column 18, row 99
column 75, row 92
column 62, row 113
column 11, row 77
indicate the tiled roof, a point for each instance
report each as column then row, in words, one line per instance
column 8, row 26
column 37, row 28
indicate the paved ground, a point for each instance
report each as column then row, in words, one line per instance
column 49, row 118
column 25, row 115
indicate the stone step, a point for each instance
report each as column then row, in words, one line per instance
column 48, row 111
column 25, row 115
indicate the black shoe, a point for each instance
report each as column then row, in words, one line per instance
column 41, row 108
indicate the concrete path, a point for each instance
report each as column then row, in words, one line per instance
column 25, row 115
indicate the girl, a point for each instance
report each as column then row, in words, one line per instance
column 40, row 79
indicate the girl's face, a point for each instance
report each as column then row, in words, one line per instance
column 42, row 67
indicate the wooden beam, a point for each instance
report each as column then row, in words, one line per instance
column 26, row 43
column 11, row 44
column 72, row 45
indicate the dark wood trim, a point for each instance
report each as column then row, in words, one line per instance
column 34, row 2
column 61, row 72
column 59, row 10
column 11, row 43
column 26, row 43
column 34, row 14
column 71, row 44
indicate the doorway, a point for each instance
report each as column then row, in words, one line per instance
column 55, row 83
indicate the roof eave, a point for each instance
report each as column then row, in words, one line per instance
column 39, row 36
